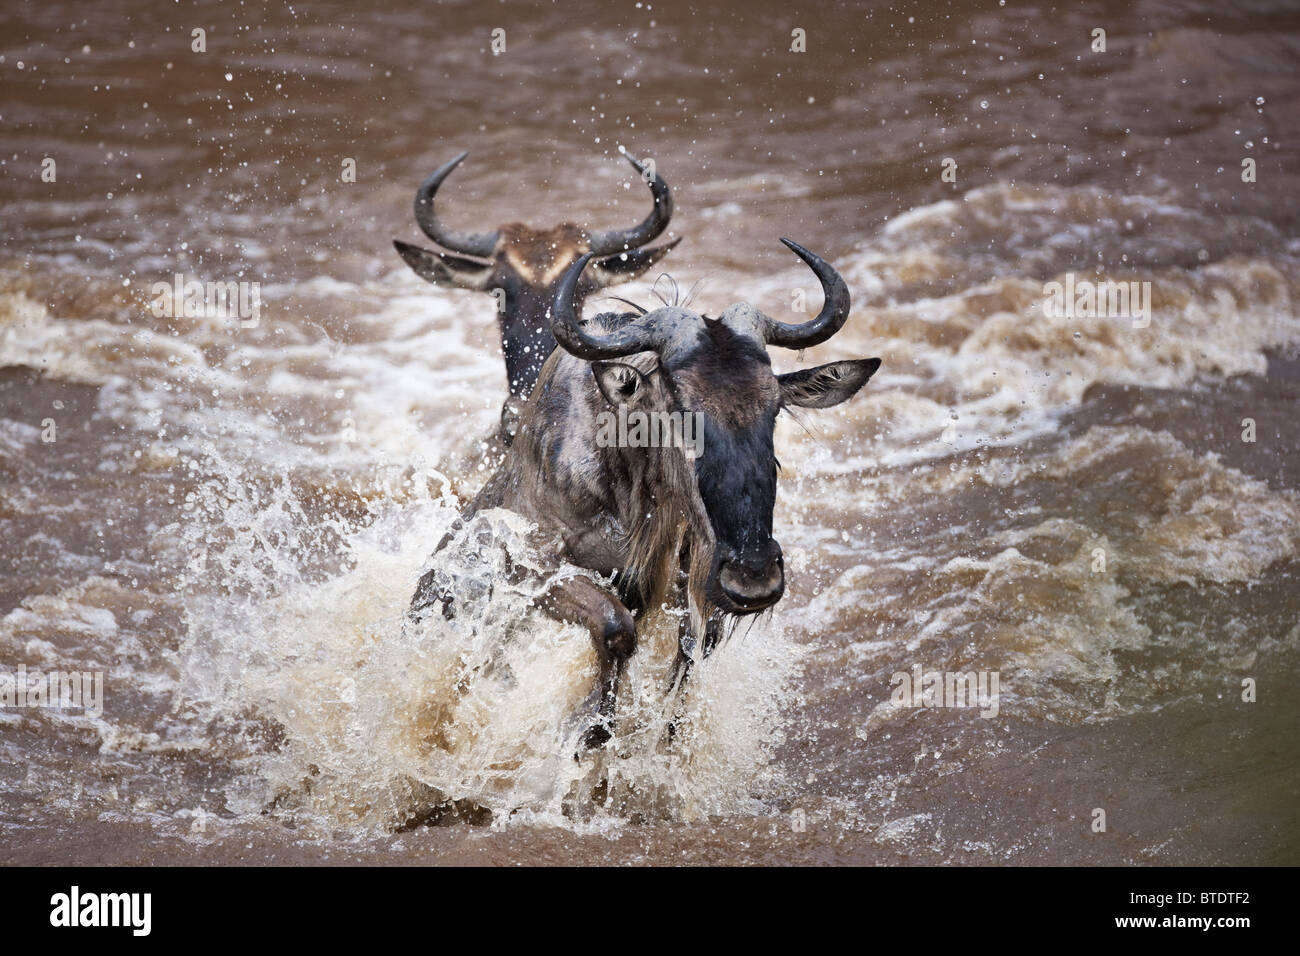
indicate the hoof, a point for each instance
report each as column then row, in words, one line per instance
column 595, row 737
column 619, row 634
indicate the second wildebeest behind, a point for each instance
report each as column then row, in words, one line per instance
column 523, row 267
column 663, row 527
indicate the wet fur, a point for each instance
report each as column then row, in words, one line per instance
column 607, row 505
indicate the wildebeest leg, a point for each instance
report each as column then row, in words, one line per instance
column 613, row 632
column 430, row 591
column 432, row 586
column 686, row 660
column 681, row 671
column 686, row 638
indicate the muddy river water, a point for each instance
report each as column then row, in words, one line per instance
column 226, row 519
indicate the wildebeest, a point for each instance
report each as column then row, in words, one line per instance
column 663, row 526
column 524, row 266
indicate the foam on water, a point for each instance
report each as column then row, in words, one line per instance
column 1048, row 601
column 305, row 452
column 981, row 364
column 378, row 719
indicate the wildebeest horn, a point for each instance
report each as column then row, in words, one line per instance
column 830, row 320
column 469, row 243
column 618, row 240
column 649, row 332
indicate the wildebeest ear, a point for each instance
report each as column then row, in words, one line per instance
column 625, row 266
column 443, row 269
column 620, row 383
column 826, row 385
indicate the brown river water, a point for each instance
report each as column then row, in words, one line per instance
column 227, row 519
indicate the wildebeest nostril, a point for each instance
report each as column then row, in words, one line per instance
column 751, row 588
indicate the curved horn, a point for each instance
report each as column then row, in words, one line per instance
column 618, row 240
column 643, row 335
column 831, row 319
column 470, row 243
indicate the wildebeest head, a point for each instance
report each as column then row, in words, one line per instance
column 524, row 264
column 717, row 371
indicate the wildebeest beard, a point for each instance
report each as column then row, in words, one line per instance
column 674, row 507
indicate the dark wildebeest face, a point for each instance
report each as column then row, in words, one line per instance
column 524, row 265
column 717, row 371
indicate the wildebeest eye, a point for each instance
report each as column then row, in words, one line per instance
column 617, row 381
